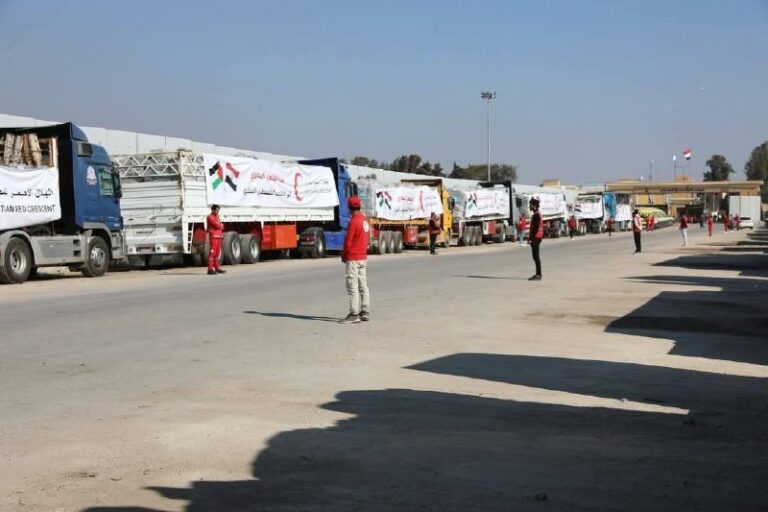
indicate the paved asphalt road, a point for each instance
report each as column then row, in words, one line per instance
column 619, row 382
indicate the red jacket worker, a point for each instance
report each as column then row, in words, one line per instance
column 355, row 257
column 535, row 235
column 572, row 224
column 710, row 224
column 215, row 236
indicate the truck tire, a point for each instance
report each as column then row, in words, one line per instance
column 392, row 242
column 231, row 250
column 398, row 236
column 477, row 235
column 319, row 249
column 556, row 229
column 501, row 235
column 96, row 258
column 251, row 247
column 466, row 237
column 17, row 262
column 385, row 241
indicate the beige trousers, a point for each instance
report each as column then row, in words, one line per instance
column 357, row 287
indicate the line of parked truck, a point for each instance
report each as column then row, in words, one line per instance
column 65, row 202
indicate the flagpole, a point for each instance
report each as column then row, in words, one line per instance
column 674, row 167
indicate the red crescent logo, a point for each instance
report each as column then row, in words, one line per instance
column 296, row 186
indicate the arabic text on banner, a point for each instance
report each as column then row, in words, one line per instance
column 551, row 204
column 406, row 203
column 589, row 210
column 28, row 197
column 483, row 202
column 238, row 181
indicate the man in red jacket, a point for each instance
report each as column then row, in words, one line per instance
column 215, row 235
column 535, row 236
column 355, row 257
column 572, row 225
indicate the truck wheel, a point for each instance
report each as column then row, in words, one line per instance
column 392, row 242
column 398, row 236
column 385, row 241
column 251, row 247
column 501, row 236
column 477, row 235
column 465, row 239
column 231, row 250
column 96, row 258
column 556, row 229
column 17, row 262
column 319, row 249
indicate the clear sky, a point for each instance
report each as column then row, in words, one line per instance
column 587, row 91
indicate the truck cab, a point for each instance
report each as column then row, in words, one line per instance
column 332, row 234
column 88, row 234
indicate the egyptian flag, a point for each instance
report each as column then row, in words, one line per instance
column 688, row 154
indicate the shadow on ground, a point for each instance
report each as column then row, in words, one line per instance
column 407, row 450
column 294, row 316
column 419, row 450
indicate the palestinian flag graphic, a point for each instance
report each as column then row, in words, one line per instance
column 224, row 174
column 384, row 198
column 472, row 201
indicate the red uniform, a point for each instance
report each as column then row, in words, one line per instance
column 684, row 222
column 356, row 241
column 434, row 227
column 536, row 231
column 725, row 223
column 572, row 223
column 521, row 225
column 215, row 235
column 710, row 225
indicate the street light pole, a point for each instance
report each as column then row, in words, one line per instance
column 650, row 170
column 488, row 96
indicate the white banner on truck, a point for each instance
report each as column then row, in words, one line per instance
column 238, row 181
column 589, row 210
column 551, row 204
column 406, row 203
column 28, row 197
column 486, row 202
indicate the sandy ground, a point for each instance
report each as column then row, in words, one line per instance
column 620, row 382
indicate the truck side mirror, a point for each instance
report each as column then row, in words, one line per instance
column 117, row 186
column 451, row 203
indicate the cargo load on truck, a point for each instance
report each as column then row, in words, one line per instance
column 481, row 213
column 59, row 203
column 265, row 206
column 399, row 213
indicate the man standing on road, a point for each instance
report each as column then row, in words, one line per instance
column 725, row 223
column 535, row 234
column 609, row 225
column 215, row 236
column 521, row 225
column 684, row 228
column 637, row 228
column 710, row 224
column 572, row 224
column 434, row 231
column 355, row 257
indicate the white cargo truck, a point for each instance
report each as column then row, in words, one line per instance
column 274, row 206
